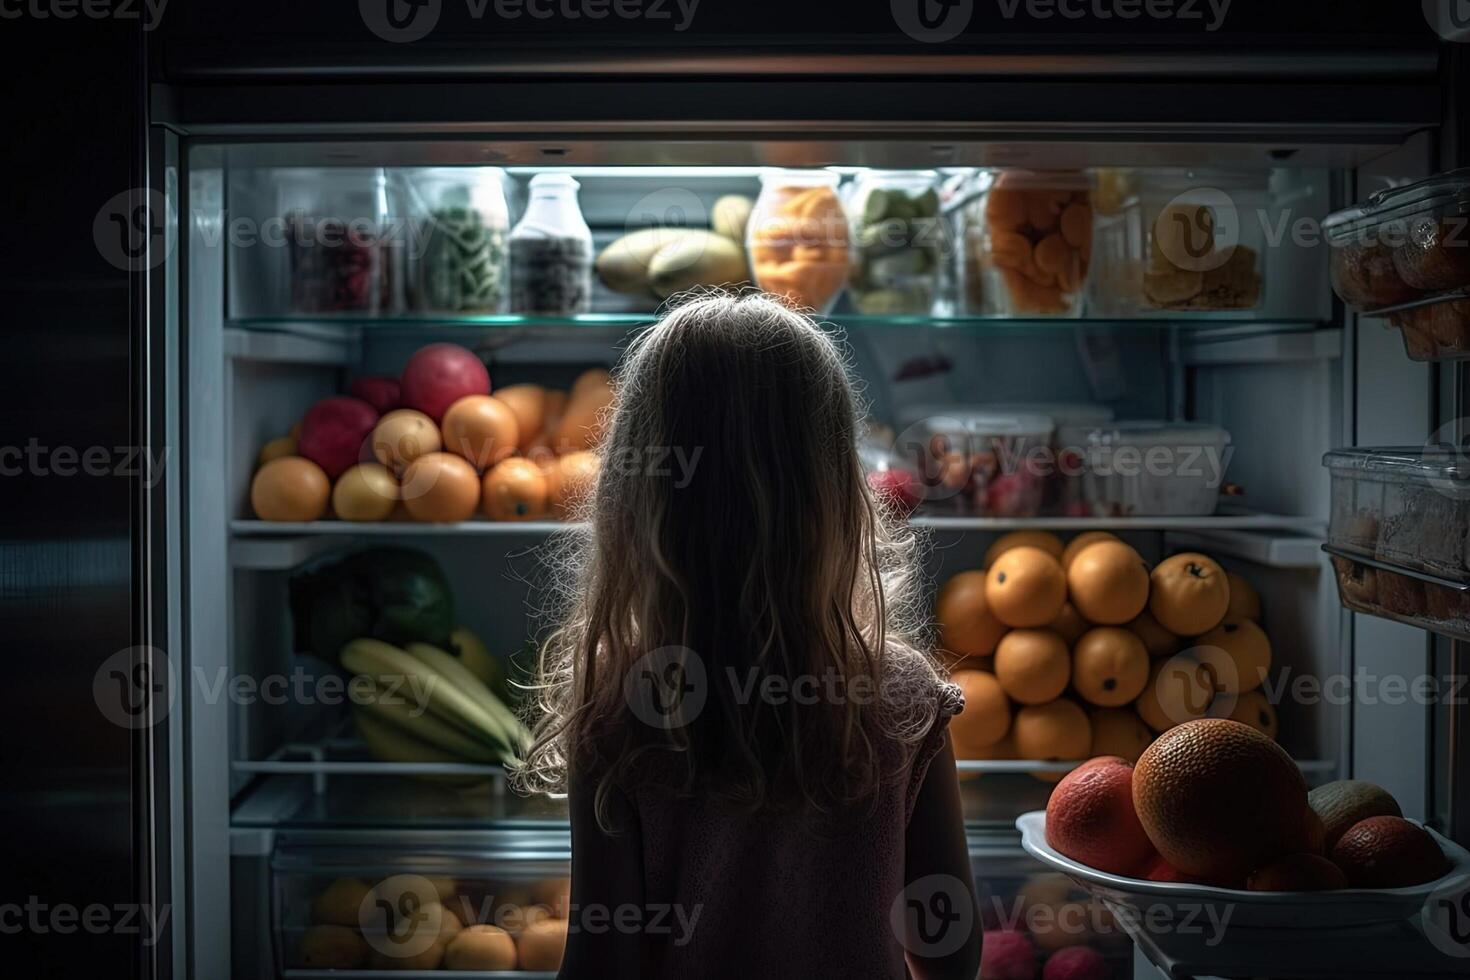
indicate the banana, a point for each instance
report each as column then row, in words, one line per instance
column 458, row 674
column 391, row 668
column 391, row 744
column 416, row 722
column 477, row 657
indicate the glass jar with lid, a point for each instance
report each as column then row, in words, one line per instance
column 1027, row 242
column 458, row 256
column 798, row 238
column 551, row 251
column 897, row 239
column 334, row 222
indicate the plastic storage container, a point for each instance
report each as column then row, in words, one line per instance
column 458, row 261
column 390, row 907
column 1400, row 534
column 897, row 241
column 339, row 257
column 1177, row 243
column 798, row 238
column 1136, row 469
column 1027, row 243
column 551, row 251
column 994, row 464
column 1406, row 252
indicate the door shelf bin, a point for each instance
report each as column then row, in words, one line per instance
column 1377, row 588
column 1406, row 507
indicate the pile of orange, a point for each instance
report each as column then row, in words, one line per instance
column 1071, row 650
column 521, row 454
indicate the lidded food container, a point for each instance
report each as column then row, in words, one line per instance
column 897, row 241
column 1027, row 243
column 1400, row 534
column 798, row 238
column 1177, row 242
column 551, row 251
column 458, row 259
column 340, row 258
column 977, row 461
column 1137, row 469
column 1406, row 252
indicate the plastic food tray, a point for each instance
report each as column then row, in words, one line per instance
column 1376, row 588
column 1175, row 902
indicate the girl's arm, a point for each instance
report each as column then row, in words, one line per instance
column 935, row 848
column 607, row 874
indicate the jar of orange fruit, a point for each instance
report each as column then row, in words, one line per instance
column 798, row 238
column 1028, row 244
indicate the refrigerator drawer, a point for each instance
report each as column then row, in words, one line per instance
column 478, row 904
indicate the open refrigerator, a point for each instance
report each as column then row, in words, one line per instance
column 258, row 806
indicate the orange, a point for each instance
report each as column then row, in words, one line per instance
column 1245, row 601
column 1032, row 665
column 481, row 947
column 541, row 945
column 1045, row 540
column 1190, row 594
column 1108, row 582
column 275, row 449
column 572, row 480
column 1388, row 852
column 402, row 436
column 442, row 488
column 1057, row 731
column 966, row 625
column 1075, row 546
column 1109, row 666
column 1090, row 818
column 1026, row 587
column 1246, row 654
column 1254, row 710
column 1119, row 732
column 1219, row 799
column 516, row 490
column 986, row 717
column 482, row 429
column 1182, row 688
column 528, row 404
column 289, row 488
column 1069, row 625
column 1158, row 641
column 366, row 492
column 1298, row 873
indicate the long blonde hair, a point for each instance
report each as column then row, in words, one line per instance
column 766, row 559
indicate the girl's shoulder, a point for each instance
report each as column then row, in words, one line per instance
column 915, row 698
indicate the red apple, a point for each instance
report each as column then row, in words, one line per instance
column 334, row 432
column 439, row 375
column 380, row 392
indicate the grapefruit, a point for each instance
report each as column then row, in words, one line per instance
column 1026, row 588
column 1108, row 582
column 1090, row 818
column 1189, row 595
column 1346, row 802
column 402, row 436
column 1388, row 852
column 1032, row 665
column 290, row 488
column 1219, row 799
column 1298, row 873
column 966, row 625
